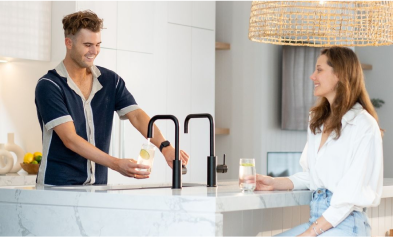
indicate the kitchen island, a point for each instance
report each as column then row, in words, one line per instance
column 148, row 210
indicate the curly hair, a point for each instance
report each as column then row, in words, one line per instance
column 72, row 23
column 350, row 90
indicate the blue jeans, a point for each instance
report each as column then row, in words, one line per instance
column 356, row 224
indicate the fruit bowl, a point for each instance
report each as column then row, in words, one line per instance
column 30, row 168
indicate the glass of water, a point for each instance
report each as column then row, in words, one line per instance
column 247, row 174
column 146, row 156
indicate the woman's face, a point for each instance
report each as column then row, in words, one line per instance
column 325, row 81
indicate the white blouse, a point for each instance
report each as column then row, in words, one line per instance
column 351, row 167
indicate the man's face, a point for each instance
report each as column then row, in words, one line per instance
column 85, row 47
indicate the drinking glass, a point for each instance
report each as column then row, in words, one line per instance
column 146, row 156
column 247, row 174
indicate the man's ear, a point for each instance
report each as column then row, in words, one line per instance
column 68, row 42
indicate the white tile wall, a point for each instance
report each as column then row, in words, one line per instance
column 25, row 30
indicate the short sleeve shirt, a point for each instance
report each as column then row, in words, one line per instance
column 59, row 100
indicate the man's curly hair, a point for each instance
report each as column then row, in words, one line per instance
column 72, row 23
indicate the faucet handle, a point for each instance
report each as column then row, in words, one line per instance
column 183, row 170
column 222, row 168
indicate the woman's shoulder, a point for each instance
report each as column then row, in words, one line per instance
column 365, row 122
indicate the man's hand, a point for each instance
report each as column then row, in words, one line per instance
column 127, row 167
column 169, row 154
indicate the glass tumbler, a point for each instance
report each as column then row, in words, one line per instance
column 146, row 155
column 247, row 174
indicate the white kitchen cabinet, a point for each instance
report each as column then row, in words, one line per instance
column 179, row 82
column 108, row 12
column 203, row 71
column 202, row 99
column 25, row 30
column 107, row 58
column 180, row 13
column 135, row 23
column 195, row 14
column 204, row 14
column 135, row 69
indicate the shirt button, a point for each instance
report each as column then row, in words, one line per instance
column 319, row 191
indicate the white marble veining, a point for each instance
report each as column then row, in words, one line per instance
column 17, row 179
column 134, row 210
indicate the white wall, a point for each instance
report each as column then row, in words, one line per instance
column 379, row 84
column 248, row 93
column 19, row 114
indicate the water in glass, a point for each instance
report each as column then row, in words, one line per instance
column 247, row 174
column 146, row 155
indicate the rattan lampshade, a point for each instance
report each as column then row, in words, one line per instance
column 322, row 23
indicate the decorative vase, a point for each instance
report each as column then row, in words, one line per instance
column 4, row 154
column 19, row 152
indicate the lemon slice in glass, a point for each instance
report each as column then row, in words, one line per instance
column 247, row 164
column 144, row 154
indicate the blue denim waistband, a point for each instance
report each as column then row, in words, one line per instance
column 322, row 192
column 326, row 193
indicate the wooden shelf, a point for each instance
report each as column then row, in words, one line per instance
column 367, row 66
column 222, row 46
column 222, row 131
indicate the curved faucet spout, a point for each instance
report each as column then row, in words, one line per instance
column 211, row 120
column 212, row 159
column 177, row 164
column 150, row 131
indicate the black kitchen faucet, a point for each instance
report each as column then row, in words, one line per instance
column 212, row 159
column 177, row 164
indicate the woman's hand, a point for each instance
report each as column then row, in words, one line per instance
column 264, row 183
column 267, row 183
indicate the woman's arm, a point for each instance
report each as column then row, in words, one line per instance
column 267, row 183
column 318, row 227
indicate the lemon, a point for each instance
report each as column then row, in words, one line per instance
column 28, row 158
column 37, row 154
column 34, row 162
column 144, row 154
column 247, row 164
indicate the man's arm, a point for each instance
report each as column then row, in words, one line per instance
column 140, row 120
column 74, row 142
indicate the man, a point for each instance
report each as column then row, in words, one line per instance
column 75, row 104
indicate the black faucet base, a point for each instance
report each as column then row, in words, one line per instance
column 176, row 177
column 211, row 171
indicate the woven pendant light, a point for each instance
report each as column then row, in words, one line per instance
column 322, row 23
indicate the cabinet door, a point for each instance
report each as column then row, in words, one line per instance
column 180, row 13
column 204, row 14
column 108, row 12
column 107, row 58
column 136, row 71
column 202, row 99
column 179, row 82
column 136, row 26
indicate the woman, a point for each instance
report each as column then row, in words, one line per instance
column 342, row 161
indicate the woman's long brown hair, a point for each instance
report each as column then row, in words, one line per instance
column 350, row 89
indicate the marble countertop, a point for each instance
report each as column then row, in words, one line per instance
column 17, row 179
column 225, row 198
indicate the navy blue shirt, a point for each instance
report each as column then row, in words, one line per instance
column 59, row 100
